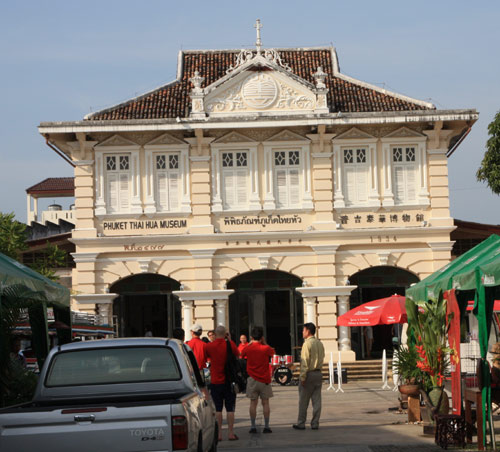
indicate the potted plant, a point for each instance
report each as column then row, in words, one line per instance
column 410, row 377
column 430, row 325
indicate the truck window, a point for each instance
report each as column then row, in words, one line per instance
column 112, row 365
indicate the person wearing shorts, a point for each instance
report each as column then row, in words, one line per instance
column 257, row 355
column 220, row 389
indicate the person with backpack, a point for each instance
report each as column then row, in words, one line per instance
column 220, row 388
column 257, row 354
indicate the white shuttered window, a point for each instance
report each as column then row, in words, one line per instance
column 356, row 172
column 167, row 182
column 235, row 178
column 118, row 183
column 287, row 166
column 404, row 174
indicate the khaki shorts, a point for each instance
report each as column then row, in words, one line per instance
column 257, row 388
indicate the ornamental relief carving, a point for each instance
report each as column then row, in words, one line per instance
column 260, row 92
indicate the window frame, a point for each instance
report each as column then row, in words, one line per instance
column 102, row 151
column 421, row 185
column 151, row 151
column 270, row 175
column 253, row 204
column 339, row 171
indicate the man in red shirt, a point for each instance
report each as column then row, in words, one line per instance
column 198, row 346
column 257, row 355
column 220, row 388
column 243, row 343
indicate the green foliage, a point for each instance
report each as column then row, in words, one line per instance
column 15, row 299
column 405, row 363
column 53, row 257
column 430, row 325
column 489, row 171
column 13, row 235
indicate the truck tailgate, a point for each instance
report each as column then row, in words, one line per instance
column 108, row 429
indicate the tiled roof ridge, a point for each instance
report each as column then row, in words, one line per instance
column 186, row 68
column 65, row 183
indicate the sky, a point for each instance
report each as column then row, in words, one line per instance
column 63, row 59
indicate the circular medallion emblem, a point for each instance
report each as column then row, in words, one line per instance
column 259, row 91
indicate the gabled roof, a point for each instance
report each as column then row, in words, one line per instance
column 61, row 186
column 345, row 94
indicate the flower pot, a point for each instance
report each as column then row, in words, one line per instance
column 435, row 396
column 411, row 390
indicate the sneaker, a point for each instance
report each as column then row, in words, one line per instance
column 314, row 427
column 267, row 430
column 252, row 430
column 298, row 427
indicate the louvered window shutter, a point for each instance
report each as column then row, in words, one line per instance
column 228, row 181
column 281, row 187
column 411, row 194
column 294, row 188
column 173, row 191
column 241, row 188
column 124, row 191
column 361, row 184
column 399, row 183
column 350, row 185
column 112, row 192
column 161, row 191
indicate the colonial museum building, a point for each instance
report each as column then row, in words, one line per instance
column 261, row 187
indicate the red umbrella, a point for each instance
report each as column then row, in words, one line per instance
column 378, row 312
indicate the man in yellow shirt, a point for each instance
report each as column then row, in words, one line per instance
column 311, row 362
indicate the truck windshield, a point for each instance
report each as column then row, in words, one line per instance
column 112, row 365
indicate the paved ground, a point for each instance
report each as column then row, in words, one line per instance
column 362, row 419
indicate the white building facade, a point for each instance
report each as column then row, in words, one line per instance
column 261, row 187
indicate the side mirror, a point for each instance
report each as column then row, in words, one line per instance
column 206, row 375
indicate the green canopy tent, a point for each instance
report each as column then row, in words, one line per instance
column 478, row 270
column 54, row 295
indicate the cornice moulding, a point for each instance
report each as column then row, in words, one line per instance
column 325, row 291
column 189, row 295
column 102, row 298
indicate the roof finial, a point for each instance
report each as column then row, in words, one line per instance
column 258, row 43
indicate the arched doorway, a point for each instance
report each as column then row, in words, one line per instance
column 374, row 283
column 146, row 300
column 268, row 298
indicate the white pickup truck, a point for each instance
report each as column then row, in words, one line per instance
column 123, row 395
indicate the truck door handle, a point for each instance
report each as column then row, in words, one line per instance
column 87, row 418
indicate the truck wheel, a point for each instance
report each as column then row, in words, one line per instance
column 214, row 442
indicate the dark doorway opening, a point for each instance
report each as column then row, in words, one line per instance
column 146, row 302
column 374, row 283
column 268, row 298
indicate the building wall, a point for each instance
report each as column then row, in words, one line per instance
column 322, row 242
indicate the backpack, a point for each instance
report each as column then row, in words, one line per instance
column 234, row 373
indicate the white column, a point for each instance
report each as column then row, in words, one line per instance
column 269, row 200
column 104, row 313
column 310, row 309
column 342, row 307
column 187, row 317
column 338, row 195
column 220, row 312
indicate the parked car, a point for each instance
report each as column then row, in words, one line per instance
column 112, row 395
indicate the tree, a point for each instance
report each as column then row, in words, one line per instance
column 489, row 171
column 53, row 257
column 13, row 235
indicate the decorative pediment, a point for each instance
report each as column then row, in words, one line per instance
column 234, row 137
column 262, row 91
column 116, row 140
column 404, row 132
column 354, row 133
column 286, row 135
column 165, row 140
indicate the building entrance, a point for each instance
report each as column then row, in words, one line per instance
column 268, row 298
column 374, row 283
column 146, row 303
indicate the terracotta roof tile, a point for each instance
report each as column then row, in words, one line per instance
column 172, row 100
column 53, row 185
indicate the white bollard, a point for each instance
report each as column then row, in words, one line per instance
column 384, row 371
column 330, row 373
column 339, row 376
